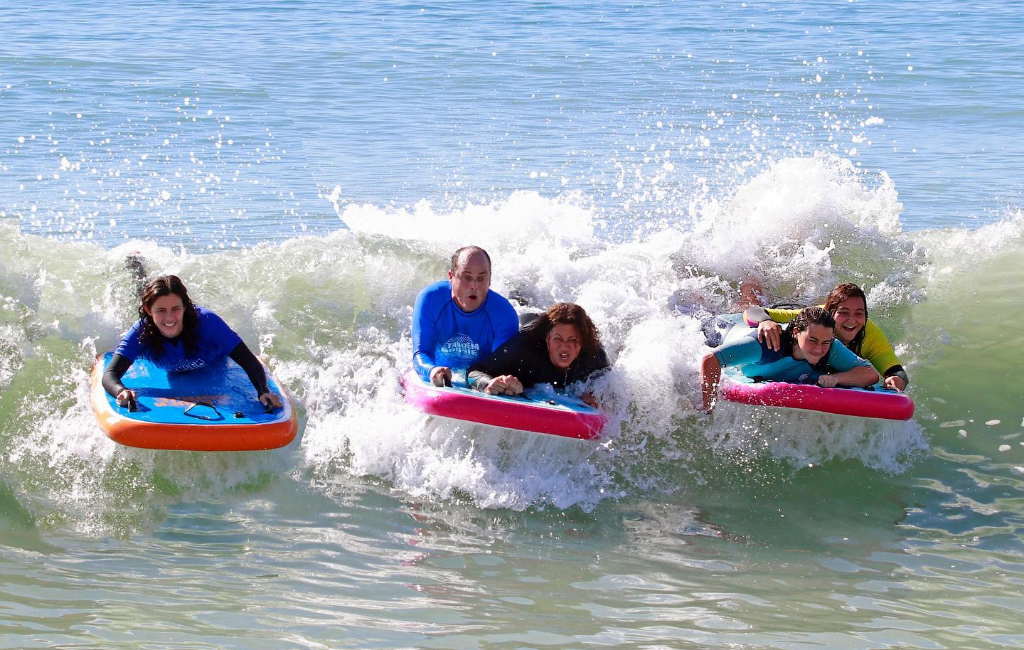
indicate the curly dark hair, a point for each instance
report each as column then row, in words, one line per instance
column 150, row 336
column 811, row 316
column 807, row 317
column 565, row 313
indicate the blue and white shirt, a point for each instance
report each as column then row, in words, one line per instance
column 445, row 335
column 216, row 340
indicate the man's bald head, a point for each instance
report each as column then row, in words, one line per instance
column 458, row 257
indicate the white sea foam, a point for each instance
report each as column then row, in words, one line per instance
column 332, row 314
column 800, row 226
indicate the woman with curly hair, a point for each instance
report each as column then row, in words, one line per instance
column 560, row 347
column 178, row 336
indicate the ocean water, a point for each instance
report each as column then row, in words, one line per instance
column 306, row 168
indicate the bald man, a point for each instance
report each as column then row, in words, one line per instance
column 459, row 320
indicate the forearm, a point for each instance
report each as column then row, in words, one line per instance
column 244, row 357
column 424, row 337
column 898, row 371
column 710, row 376
column 478, row 379
column 111, row 380
column 423, row 363
column 755, row 314
column 859, row 377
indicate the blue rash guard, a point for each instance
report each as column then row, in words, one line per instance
column 757, row 361
column 445, row 335
column 216, row 341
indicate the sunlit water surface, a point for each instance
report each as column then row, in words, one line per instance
column 307, row 168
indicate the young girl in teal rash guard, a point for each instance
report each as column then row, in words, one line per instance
column 809, row 354
column 179, row 336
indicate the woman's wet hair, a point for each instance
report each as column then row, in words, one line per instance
column 841, row 294
column 836, row 298
column 565, row 313
column 150, row 336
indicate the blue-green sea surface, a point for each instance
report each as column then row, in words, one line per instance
column 306, row 168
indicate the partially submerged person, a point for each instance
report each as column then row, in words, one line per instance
column 808, row 352
column 560, row 347
column 177, row 336
column 689, row 302
column 849, row 307
column 459, row 320
column 692, row 304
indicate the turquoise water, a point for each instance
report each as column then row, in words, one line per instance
column 307, row 168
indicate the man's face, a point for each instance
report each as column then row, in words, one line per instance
column 470, row 280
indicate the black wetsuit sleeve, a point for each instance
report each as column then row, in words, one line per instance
column 244, row 357
column 506, row 360
column 477, row 378
column 111, row 380
column 600, row 362
column 898, row 371
column 591, row 365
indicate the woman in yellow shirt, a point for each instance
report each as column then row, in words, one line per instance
column 848, row 305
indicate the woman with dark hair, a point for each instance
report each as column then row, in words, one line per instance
column 560, row 347
column 178, row 336
column 849, row 306
column 808, row 353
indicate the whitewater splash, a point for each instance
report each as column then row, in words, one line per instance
column 800, row 227
column 332, row 315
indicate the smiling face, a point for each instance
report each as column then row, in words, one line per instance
column 813, row 343
column 563, row 345
column 168, row 314
column 470, row 280
column 851, row 315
